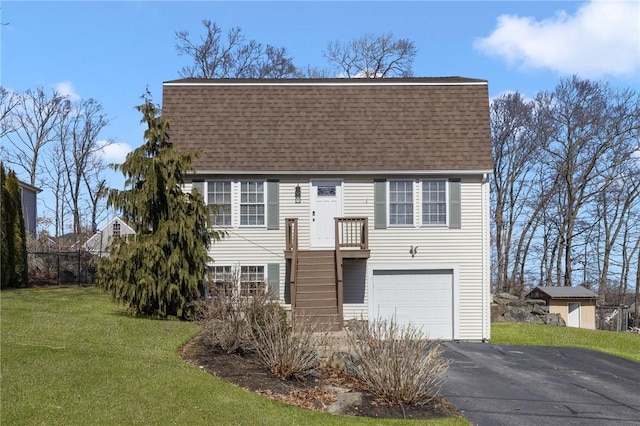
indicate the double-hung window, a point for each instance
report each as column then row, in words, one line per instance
column 434, row 202
column 251, row 279
column 221, row 276
column 245, row 281
column 219, row 196
column 252, row 209
column 400, row 202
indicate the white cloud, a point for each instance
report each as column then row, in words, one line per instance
column 65, row 88
column 115, row 152
column 602, row 38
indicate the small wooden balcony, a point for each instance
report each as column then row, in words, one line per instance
column 352, row 237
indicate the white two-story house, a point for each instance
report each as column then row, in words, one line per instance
column 352, row 198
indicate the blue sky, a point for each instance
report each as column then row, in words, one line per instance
column 112, row 51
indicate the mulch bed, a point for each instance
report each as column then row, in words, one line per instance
column 314, row 393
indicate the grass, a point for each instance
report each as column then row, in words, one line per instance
column 70, row 356
column 624, row 345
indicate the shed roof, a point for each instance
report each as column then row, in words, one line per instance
column 29, row 187
column 566, row 292
column 361, row 126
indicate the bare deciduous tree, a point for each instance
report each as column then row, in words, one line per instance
column 595, row 127
column 33, row 124
column 80, row 147
column 8, row 101
column 216, row 56
column 372, row 56
column 565, row 191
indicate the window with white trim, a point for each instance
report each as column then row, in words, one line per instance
column 252, row 206
column 434, row 202
column 219, row 196
column 400, row 202
column 251, row 279
column 221, row 276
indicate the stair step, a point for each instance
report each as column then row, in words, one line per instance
column 303, row 287
column 312, row 281
column 315, row 311
column 318, row 300
column 319, row 322
column 318, row 294
column 317, row 304
column 316, row 257
column 315, row 264
column 330, row 270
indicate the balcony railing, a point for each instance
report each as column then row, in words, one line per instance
column 352, row 232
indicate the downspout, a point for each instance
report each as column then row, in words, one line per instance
column 486, row 320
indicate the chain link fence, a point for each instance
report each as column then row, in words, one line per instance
column 61, row 267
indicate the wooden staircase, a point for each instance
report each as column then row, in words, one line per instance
column 316, row 290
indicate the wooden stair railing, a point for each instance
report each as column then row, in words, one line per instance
column 291, row 226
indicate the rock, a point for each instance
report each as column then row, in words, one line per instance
column 507, row 296
column 554, row 319
column 345, row 361
column 344, row 401
column 540, row 310
column 522, row 314
column 496, row 311
column 339, row 360
column 509, row 308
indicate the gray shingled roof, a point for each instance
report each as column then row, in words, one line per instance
column 332, row 125
column 567, row 292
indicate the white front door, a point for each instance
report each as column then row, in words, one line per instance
column 574, row 314
column 326, row 205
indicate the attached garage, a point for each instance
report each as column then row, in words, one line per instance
column 425, row 298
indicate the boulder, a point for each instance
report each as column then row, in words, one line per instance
column 522, row 314
column 344, row 401
column 345, row 361
column 539, row 310
column 509, row 308
column 506, row 296
column 554, row 319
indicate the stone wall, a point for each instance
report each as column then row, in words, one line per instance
column 508, row 308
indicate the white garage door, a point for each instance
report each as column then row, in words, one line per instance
column 423, row 298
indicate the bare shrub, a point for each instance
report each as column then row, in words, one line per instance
column 229, row 312
column 242, row 319
column 287, row 351
column 397, row 364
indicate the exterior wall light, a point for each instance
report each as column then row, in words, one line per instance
column 298, row 194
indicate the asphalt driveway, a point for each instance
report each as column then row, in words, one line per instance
column 523, row 385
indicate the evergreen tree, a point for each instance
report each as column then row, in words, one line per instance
column 14, row 239
column 5, row 236
column 159, row 271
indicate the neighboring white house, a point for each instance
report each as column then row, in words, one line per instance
column 29, row 198
column 352, row 198
column 97, row 244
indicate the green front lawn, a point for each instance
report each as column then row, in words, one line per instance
column 624, row 345
column 72, row 357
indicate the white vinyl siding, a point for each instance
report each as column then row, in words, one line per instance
column 441, row 245
column 437, row 245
